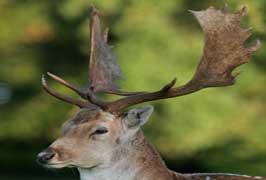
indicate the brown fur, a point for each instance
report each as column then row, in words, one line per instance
column 80, row 148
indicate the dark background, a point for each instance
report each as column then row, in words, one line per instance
column 215, row 130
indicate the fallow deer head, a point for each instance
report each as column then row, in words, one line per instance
column 92, row 136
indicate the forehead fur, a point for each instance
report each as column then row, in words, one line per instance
column 86, row 115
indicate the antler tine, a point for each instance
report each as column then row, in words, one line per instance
column 96, row 39
column 67, row 84
column 223, row 52
column 64, row 98
column 103, row 70
column 88, row 95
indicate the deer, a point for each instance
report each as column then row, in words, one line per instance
column 104, row 141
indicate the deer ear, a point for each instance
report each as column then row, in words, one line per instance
column 137, row 117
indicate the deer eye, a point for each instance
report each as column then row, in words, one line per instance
column 101, row 130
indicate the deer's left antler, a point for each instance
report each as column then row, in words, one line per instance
column 223, row 51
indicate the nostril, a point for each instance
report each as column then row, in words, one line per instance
column 44, row 157
column 48, row 156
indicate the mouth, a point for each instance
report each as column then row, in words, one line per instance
column 52, row 165
column 68, row 165
column 57, row 165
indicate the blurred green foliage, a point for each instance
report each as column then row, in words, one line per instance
column 215, row 130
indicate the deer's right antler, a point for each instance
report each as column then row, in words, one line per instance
column 103, row 71
column 223, row 51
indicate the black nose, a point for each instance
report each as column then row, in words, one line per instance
column 45, row 156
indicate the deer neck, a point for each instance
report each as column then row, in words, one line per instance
column 133, row 160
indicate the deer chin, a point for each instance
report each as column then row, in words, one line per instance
column 61, row 165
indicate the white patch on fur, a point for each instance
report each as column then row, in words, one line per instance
column 258, row 177
column 119, row 171
column 223, row 174
column 120, row 168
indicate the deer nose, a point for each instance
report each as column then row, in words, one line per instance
column 45, row 156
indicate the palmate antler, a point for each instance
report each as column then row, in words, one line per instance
column 223, row 51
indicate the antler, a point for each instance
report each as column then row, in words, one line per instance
column 103, row 71
column 223, row 52
column 62, row 97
